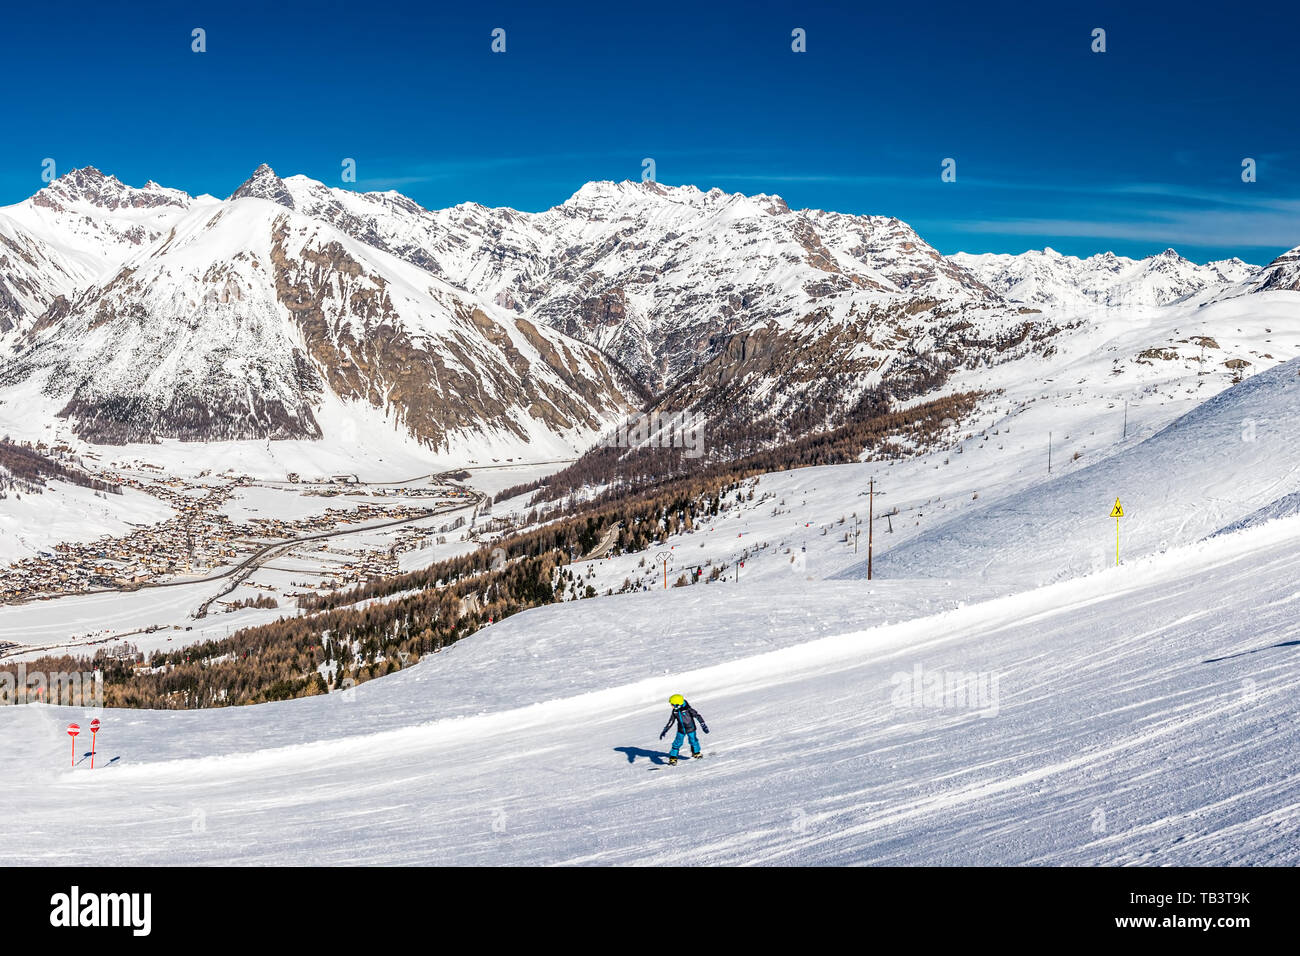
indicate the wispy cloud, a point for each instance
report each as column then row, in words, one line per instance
column 1245, row 228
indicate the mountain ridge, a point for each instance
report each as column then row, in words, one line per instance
column 473, row 320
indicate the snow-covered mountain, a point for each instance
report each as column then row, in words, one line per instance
column 710, row 299
column 1282, row 274
column 76, row 231
column 147, row 313
column 1049, row 279
column 235, row 323
column 660, row 277
column 139, row 314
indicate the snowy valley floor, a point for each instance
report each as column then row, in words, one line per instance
column 1141, row 715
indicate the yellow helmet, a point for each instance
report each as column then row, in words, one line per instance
column 677, row 700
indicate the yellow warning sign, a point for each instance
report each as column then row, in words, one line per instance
column 1118, row 510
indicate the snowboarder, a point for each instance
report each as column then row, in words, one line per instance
column 685, row 716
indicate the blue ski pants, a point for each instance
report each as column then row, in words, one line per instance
column 677, row 743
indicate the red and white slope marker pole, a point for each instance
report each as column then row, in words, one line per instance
column 94, row 729
column 73, row 730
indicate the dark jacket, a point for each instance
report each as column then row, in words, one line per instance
column 685, row 715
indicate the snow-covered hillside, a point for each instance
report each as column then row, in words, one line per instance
column 1092, row 405
column 1213, row 466
column 937, row 714
column 1140, row 715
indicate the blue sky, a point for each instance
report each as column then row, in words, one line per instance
column 1135, row 149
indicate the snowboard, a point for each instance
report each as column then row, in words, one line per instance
column 684, row 759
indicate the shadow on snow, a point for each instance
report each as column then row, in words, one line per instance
column 654, row 756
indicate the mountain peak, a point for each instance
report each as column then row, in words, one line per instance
column 85, row 175
column 265, row 184
column 90, row 186
column 602, row 189
column 1283, row 273
column 87, row 184
column 606, row 190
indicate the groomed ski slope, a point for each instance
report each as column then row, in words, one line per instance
column 1143, row 715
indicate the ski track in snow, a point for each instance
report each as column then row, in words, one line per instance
column 1119, row 694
